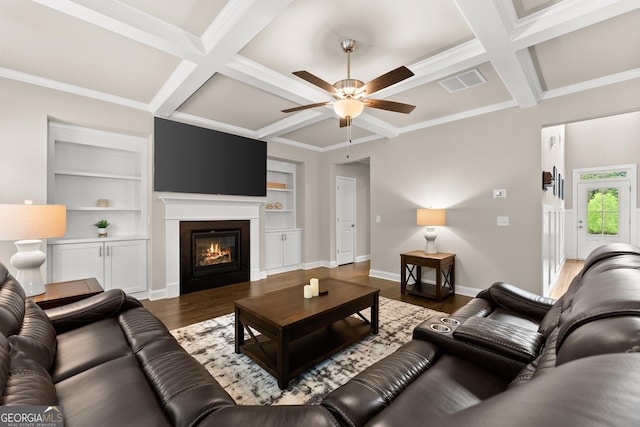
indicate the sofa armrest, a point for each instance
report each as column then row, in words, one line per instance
column 270, row 416
column 502, row 338
column 520, row 301
column 92, row 309
column 442, row 336
column 370, row 392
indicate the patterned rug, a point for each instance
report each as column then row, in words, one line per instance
column 212, row 343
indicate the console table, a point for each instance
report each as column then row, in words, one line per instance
column 411, row 263
column 62, row 293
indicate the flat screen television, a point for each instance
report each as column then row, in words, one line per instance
column 191, row 159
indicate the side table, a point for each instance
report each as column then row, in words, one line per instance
column 444, row 263
column 61, row 293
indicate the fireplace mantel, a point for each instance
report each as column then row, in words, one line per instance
column 186, row 208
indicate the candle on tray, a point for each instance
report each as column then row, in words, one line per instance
column 315, row 287
column 307, row 291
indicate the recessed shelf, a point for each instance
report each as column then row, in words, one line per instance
column 95, row 208
column 282, row 190
column 98, row 175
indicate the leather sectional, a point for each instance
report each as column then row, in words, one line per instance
column 508, row 358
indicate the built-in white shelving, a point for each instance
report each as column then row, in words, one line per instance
column 283, row 240
column 99, row 175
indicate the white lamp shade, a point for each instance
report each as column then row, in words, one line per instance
column 20, row 222
column 26, row 224
column 431, row 217
column 348, row 107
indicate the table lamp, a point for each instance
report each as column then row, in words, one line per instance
column 431, row 218
column 27, row 224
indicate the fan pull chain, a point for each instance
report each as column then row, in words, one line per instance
column 348, row 135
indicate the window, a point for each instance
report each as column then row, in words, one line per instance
column 603, row 175
column 602, row 212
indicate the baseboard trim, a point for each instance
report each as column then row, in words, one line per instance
column 395, row 277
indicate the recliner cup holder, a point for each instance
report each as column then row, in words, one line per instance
column 440, row 328
column 450, row 321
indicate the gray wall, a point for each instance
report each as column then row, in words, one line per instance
column 454, row 166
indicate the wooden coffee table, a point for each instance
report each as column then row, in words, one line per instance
column 297, row 333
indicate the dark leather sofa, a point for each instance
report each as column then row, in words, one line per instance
column 509, row 358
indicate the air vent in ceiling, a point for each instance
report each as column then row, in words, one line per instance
column 462, row 81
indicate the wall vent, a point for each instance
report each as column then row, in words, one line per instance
column 463, row 81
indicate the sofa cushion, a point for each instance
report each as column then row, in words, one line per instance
column 115, row 393
column 36, row 338
column 91, row 345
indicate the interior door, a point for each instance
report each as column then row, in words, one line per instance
column 603, row 214
column 345, row 220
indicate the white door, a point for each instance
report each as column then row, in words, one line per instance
column 125, row 265
column 345, row 220
column 603, row 214
column 75, row 261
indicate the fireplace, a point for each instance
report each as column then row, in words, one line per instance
column 213, row 254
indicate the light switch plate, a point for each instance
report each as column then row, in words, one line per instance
column 500, row 193
column 503, row 221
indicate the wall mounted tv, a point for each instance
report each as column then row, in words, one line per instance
column 191, row 159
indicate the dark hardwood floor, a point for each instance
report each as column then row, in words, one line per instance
column 198, row 306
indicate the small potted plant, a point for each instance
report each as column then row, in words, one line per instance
column 102, row 227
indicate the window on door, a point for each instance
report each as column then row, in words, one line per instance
column 603, row 215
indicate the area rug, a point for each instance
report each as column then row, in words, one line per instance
column 212, row 343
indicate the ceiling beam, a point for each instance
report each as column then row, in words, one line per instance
column 491, row 25
column 243, row 20
column 133, row 24
column 564, row 18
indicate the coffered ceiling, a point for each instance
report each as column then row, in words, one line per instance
column 227, row 64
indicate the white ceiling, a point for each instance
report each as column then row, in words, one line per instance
column 227, row 65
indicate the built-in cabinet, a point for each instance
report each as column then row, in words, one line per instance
column 99, row 175
column 115, row 264
column 283, row 250
column 283, row 240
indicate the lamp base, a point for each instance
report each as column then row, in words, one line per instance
column 430, row 236
column 28, row 261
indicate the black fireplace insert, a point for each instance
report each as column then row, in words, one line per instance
column 213, row 254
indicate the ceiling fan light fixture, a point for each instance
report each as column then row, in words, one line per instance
column 348, row 107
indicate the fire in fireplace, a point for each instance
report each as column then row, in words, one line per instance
column 213, row 253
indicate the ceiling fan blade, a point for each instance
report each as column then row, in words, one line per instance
column 383, row 104
column 305, row 107
column 345, row 121
column 386, row 80
column 305, row 75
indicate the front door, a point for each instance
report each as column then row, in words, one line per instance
column 603, row 213
column 345, row 220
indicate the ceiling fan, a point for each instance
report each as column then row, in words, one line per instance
column 351, row 95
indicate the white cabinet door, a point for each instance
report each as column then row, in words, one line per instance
column 118, row 264
column 125, row 265
column 76, row 261
column 291, row 248
column 273, row 250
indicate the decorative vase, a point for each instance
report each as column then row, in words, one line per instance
column 102, row 232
